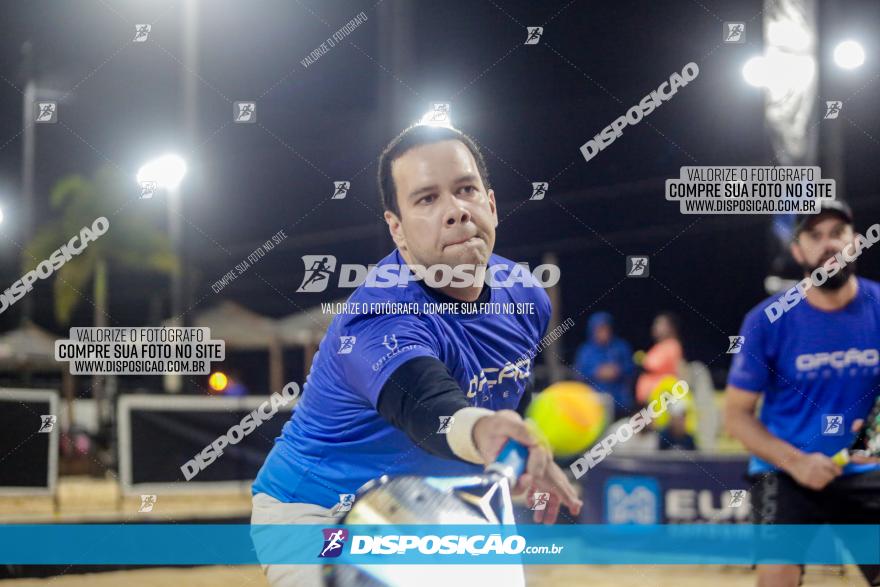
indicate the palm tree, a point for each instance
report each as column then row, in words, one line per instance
column 134, row 242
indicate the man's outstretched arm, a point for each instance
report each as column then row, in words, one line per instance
column 421, row 390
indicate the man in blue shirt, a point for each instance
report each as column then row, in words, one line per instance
column 383, row 380
column 815, row 360
column 605, row 362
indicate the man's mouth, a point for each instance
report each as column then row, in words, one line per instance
column 463, row 241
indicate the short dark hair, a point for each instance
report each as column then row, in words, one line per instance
column 673, row 320
column 415, row 136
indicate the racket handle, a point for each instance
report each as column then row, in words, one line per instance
column 511, row 461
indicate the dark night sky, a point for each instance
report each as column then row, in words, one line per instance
column 529, row 107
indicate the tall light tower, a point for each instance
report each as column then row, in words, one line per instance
column 167, row 172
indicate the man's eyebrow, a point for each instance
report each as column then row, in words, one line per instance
column 836, row 226
column 470, row 177
column 422, row 190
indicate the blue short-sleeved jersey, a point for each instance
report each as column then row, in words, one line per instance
column 813, row 366
column 336, row 440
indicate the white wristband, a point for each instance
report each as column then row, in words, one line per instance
column 461, row 433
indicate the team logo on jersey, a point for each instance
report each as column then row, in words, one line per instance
column 838, row 359
column 832, row 425
column 346, row 345
column 390, row 342
column 318, row 271
column 334, row 540
column 486, row 379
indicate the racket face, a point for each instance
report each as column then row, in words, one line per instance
column 414, row 500
column 473, row 499
column 403, row 500
column 428, row 500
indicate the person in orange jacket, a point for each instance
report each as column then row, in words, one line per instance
column 664, row 358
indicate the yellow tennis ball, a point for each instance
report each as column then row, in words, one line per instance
column 639, row 357
column 666, row 385
column 570, row 415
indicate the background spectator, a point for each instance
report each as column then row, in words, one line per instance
column 664, row 358
column 605, row 362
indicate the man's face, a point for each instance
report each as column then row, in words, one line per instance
column 821, row 241
column 446, row 214
column 602, row 334
column 661, row 328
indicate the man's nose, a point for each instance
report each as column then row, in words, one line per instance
column 834, row 244
column 456, row 213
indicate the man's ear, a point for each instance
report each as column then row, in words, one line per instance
column 492, row 206
column 395, row 229
column 796, row 252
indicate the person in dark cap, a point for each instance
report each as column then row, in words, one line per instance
column 807, row 223
column 815, row 360
column 605, row 362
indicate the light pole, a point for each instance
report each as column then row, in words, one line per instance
column 27, row 160
column 167, row 172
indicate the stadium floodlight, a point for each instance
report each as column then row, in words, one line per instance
column 849, row 55
column 789, row 36
column 167, row 171
column 755, row 72
column 780, row 72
